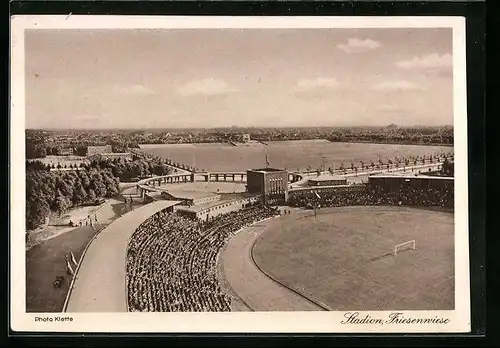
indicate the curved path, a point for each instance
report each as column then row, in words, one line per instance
column 100, row 283
column 254, row 288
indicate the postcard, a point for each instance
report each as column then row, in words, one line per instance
column 239, row 174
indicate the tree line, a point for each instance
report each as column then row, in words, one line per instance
column 123, row 169
column 42, row 143
column 56, row 191
column 37, row 147
column 126, row 170
column 406, row 139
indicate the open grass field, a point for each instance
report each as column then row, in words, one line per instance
column 45, row 262
column 343, row 257
column 292, row 155
column 63, row 160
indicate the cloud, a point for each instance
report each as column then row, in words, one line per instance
column 397, row 86
column 431, row 61
column 354, row 45
column 210, row 86
column 320, row 82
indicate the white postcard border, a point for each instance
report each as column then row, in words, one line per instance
column 261, row 322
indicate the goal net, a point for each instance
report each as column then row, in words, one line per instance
column 404, row 246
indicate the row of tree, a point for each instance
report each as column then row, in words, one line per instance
column 39, row 148
column 394, row 138
column 126, row 170
column 57, row 191
column 40, row 143
column 389, row 163
column 123, row 169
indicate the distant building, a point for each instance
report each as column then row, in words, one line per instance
column 397, row 182
column 191, row 198
column 271, row 184
column 66, row 152
column 327, row 180
column 245, row 138
column 210, row 210
column 115, row 155
column 97, row 150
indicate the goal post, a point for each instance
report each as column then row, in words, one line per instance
column 404, row 246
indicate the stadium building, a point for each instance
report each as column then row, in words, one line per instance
column 397, row 182
column 66, row 152
column 191, row 197
column 270, row 183
column 327, row 180
column 212, row 209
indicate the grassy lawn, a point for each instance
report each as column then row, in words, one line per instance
column 343, row 257
column 45, row 262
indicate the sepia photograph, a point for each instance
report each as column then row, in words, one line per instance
column 182, row 174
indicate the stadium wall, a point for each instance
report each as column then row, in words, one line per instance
column 392, row 183
column 327, row 189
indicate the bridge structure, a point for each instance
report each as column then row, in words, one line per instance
column 145, row 156
column 296, row 180
column 154, row 184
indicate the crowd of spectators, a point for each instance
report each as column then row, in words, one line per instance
column 172, row 261
column 409, row 196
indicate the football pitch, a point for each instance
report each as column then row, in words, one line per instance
column 344, row 257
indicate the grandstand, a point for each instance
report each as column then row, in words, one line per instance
column 172, row 257
column 397, row 182
column 216, row 208
column 327, row 180
column 172, row 261
column 191, row 197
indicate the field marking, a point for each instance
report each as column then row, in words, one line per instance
column 223, row 282
column 251, row 284
column 339, row 271
column 315, row 302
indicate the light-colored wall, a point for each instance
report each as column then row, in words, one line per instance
column 96, row 150
column 204, row 200
column 220, row 209
column 116, row 155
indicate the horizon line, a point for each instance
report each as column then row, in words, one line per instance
column 240, row 127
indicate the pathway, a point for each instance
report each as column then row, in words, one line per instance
column 100, row 282
column 256, row 289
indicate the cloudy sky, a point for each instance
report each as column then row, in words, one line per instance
column 228, row 77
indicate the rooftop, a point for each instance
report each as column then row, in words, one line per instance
column 190, row 194
column 115, row 153
column 267, row 170
column 200, row 207
column 410, row 176
column 97, row 146
column 327, row 177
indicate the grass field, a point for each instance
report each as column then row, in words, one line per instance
column 342, row 258
column 63, row 160
column 45, row 262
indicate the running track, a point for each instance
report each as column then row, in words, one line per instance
column 254, row 288
column 100, row 283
